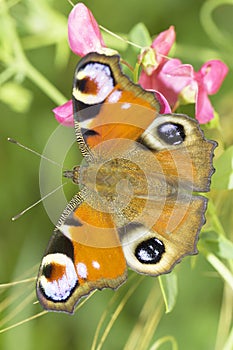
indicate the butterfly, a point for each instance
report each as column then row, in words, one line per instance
column 139, row 203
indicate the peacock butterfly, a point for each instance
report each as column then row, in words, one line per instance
column 138, row 203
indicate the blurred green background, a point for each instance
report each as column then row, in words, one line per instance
column 41, row 26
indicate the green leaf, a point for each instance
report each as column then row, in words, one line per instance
column 139, row 35
column 214, row 123
column 223, row 177
column 16, row 97
column 217, row 244
column 169, row 288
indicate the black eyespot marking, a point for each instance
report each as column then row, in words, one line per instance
column 81, row 85
column 60, row 244
column 171, row 133
column 150, row 251
column 88, row 133
column 47, row 270
column 86, row 86
column 83, row 111
column 72, row 221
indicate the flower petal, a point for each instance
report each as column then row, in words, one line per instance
column 83, row 31
column 175, row 69
column 212, row 74
column 147, row 81
column 64, row 114
column 155, row 82
column 164, row 105
column 163, row 43
column 170, row 79
column 204, row 109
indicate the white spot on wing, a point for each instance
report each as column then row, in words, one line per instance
column 115, row 96
column 126, row 105
column 61, row 288
column 82, row 270
column 101, row 76
column 95, row 264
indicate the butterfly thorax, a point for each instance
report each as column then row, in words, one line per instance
column 113, row 178
column 119, row 180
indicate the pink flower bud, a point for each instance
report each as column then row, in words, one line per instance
column 64, row 114
column 83, row 31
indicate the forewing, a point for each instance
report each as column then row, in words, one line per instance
column 107, row 104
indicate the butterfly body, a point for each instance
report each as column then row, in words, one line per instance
column 137, row 204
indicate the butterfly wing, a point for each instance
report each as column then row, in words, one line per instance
column 157, row 240
column 80, row 257
column 160, row 161
column 110, row 112
column 107, row 105
column 162, row 223
column 181, row 150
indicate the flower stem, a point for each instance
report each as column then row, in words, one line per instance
column 215, row 219
column 212, row 30
column 217, row 264
column 44, row 84
column 18, row 62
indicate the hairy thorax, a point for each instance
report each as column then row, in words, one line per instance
column 120, row 179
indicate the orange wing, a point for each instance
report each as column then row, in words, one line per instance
column 161, row 234
column 80, row 257
column 107, row 105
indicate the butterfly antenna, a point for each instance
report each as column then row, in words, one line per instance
column 37, row 202
column 71, row 3
column 32, row 151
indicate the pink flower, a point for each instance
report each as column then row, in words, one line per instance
column 64, row 114
column 169, row 79
column 83, row 31
column 209, row 79
column 179, row 82
column 164, row 105
column 163, row 43
column 173, row 83
column 84, row 37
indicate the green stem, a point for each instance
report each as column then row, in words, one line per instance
column 215, row 219
column 229, row 343
column 218, row 265
column 20, row 64
column 12, row 36
column 136, row 73
column 44, row 84
column 164, row 340
column 6, row 75
column 210, row 27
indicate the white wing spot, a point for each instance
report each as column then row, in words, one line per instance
column 100, row 74
column 126, row 105
column 82, row 270
column 115, row 96
column 61, row 288
column 95, row 264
